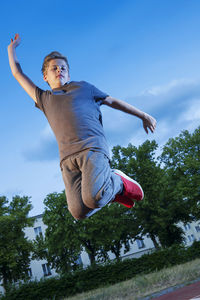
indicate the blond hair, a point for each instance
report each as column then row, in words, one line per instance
column 50, row 56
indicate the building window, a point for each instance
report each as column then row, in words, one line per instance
column 140, row 244
column 79, row 261
column 191, row 238
column 38, row 231
column 185, row 242
column 46, row 270
column 197, row 228
column 187, row 226
column 29, row 273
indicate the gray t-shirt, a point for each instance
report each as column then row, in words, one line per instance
column 73, row 112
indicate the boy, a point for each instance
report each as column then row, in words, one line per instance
column 73, row 111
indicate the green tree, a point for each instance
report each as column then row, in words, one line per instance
column 108, row 230
column 158, row 214
column 119, row 229
column 65, row 238
column 181, row 159
column 91, row 233
column 60, row 246
column 15, row 248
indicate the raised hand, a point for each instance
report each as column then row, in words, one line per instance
column 16, row 41
column 149, row 123
column 17, row 72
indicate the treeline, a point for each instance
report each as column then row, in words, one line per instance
column 172, row 194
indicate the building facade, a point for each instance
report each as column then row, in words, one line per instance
column 40, row 268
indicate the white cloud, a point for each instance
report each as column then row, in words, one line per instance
column 44, row 149
column 47, row 133
column 176, row 92
column 193, row 112
column 174, row 85
column 176, row 106
column 190, row 117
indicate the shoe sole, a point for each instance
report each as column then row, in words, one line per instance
column 118, row 172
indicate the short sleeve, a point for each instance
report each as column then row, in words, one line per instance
column 40, row 96
column 98, row 94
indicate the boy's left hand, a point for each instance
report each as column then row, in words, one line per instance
column 149, row 123
column 17, row 40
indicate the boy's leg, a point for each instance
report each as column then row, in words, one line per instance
column 91, row 184
column 99, row 183
column 72, row 179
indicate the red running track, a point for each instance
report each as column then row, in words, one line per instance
column 189, row 292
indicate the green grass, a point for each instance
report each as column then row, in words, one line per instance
column 144, row 285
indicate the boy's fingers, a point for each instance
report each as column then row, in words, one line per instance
column 152, row 127
column 16, row 36
column 145, row 128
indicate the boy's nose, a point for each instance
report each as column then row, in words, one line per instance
column 59, row 69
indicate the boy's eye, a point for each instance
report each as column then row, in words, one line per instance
column 55, row 68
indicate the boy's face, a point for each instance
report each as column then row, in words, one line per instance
column 57, row 73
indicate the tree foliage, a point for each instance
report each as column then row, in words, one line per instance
column 108, row 230
column 158, row 214
column 181, row 159
column 60, row 246
column 15, row 248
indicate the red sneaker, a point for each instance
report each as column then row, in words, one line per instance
column 124, row 201
column 132, row 188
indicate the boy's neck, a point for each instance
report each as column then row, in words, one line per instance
column 59, row 86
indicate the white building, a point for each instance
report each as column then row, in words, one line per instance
column 192, row 232
column 40, row 268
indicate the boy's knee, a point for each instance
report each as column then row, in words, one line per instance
column 97, row 200
column 91, row 199
column 91, row 203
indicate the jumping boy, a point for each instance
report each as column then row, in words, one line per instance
column 73, row 112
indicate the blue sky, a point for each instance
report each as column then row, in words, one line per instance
column 146, row 52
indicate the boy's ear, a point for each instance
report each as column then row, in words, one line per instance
column 45, row 77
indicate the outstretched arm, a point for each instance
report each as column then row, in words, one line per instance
column 23, row 80
column 148, row 121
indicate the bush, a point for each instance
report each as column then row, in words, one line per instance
column 102, row 275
